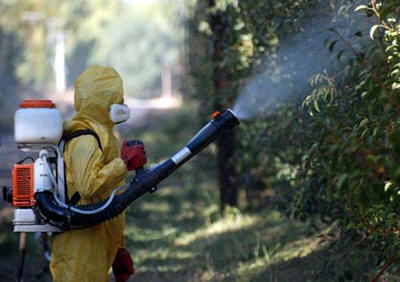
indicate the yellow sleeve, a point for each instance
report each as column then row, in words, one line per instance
column 91, row 177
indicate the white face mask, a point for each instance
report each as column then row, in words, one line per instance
column 119, row 113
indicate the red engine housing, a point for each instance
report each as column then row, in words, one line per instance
column 23, row 189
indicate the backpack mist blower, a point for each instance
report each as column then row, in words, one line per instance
column 38, row 192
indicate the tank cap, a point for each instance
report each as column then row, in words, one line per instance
column 37, row 104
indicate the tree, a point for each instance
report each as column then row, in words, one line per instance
column 222, row 22
column 141, row 49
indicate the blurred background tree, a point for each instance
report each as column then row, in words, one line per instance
column 145, row 52
column 93, row 33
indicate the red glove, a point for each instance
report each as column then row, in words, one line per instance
column 133, row 156
column 123, row 265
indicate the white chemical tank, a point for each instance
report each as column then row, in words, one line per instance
column 37, row 122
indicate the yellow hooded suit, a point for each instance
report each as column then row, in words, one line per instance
column 87, row 254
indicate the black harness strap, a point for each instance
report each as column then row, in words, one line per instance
column 67, row 137
column 75, row 198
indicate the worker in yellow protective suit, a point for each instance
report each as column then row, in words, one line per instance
column 93, row 169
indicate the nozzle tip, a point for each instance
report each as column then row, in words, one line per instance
column 233, row 113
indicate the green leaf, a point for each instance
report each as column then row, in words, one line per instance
column 362, row 7
column 364, row 132
column 341, row 180
column 316, row 106
column 364, row 122
column 376, row 130
column 339, row 55
column 332, row 45
column 388, row 184
column 394, row 72
column 373, row 30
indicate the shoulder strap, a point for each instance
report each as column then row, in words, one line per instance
column 69, row 136
column 64, row 139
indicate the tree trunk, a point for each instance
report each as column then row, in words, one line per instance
column 222, row 29
column 226, row 169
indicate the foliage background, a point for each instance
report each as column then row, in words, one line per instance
column 331, row 152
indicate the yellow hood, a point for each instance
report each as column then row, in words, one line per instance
column 96, row 89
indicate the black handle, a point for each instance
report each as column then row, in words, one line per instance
column 140, row 171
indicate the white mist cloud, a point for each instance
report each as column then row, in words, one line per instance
column 286, row 79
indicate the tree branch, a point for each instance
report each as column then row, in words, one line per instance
column 373, row 3
column 386, row 266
